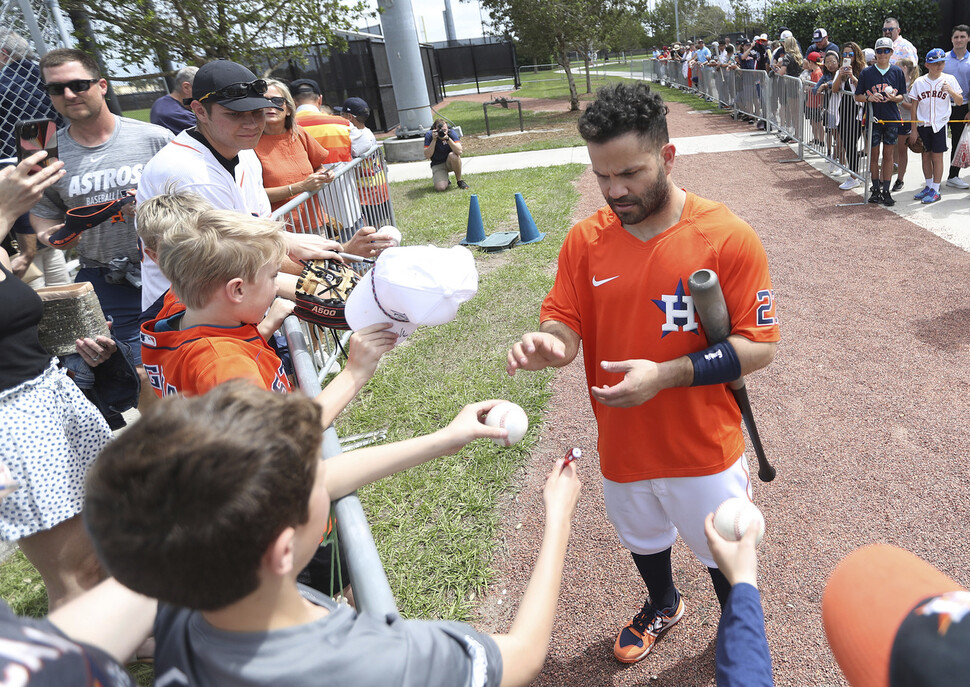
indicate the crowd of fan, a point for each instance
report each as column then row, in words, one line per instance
column 215, row 502
column 912, row 102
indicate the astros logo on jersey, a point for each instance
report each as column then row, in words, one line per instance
column 948, row 608
column 679, row 311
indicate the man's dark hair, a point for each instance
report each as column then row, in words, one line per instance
column 960, row 27
column 184, row 504
column 620, row 108
column 61, row 56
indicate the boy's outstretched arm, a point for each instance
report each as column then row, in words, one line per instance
column 742, row 656
column 110, row 617
column 364, row 352
column 525, row 645
column 349, row 471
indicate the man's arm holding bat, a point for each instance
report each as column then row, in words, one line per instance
column 644, row 379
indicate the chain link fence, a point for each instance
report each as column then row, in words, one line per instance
column 28, row 30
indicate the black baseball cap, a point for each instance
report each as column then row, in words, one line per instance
column 305, row 86
column 214, row 76
column 358, row 107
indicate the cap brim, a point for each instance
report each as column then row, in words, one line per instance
column 867, row 597
column 362, row 309
column 248, row 104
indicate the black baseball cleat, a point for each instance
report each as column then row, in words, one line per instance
column 887, row 199
column 462, row 185
column 875, row 195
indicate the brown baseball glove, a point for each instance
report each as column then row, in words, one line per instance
column 322, row 291
column 917, row 145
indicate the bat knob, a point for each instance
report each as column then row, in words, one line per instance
column 766, row 473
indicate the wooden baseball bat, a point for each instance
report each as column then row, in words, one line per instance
column 712, row 311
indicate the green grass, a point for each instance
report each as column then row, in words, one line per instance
column 22, row 587
column 435, row 525
column 141, row 115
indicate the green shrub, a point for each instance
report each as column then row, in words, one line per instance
column 858, row 20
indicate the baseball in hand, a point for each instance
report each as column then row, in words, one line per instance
column 391, row 233
column 510, row 417
column 733, row 517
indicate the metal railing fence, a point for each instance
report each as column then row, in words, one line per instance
column 830, row 125
column 372, row 593
column 357, row 196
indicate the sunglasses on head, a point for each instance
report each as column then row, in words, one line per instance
column 238, row 90
column 76, row 86
column 883, row 51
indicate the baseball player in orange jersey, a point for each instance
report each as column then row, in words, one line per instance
column 670, row 442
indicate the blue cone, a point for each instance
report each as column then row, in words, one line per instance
column 476, row 228
column 528, row 232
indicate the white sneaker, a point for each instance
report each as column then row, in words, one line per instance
column 833, row 169
column 849, row 183
column 957, row 182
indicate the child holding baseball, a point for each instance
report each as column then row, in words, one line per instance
column 742, row 658
column 934, row 93
column 221, row 548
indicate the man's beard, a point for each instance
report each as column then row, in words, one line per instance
column 655, row 198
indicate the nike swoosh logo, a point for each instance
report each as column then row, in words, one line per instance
column 600, row 282
column 95, row 160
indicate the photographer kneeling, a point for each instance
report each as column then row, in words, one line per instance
column 442, row 147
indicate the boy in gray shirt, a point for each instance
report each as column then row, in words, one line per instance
column 217, row 520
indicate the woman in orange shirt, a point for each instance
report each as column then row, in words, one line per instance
column 292, row 159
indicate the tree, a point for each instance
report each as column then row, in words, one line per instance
column 551, row 27
column 267, row 32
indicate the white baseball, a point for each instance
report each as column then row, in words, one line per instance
column 733, row 517
column 512, row 418
column 391, row 233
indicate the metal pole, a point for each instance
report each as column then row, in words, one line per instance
column 676, row 21
column 372, row 593
column 406, row 67
column 55, row 9
column 35, row 33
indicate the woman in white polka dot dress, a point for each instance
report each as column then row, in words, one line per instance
column 49, row 432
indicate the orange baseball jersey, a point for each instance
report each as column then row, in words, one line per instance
column 330, row 131
column 194, row 360
column 628, row 299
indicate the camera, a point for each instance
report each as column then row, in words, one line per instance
column 442, row 134
column 28, row 130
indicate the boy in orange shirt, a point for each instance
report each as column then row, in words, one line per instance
column 224, row 268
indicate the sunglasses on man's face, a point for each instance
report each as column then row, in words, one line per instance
column 238, row 90
column 76, row 86
column 883, row 51
column 889, row 29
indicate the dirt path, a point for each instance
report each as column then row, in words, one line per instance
column 864, row 414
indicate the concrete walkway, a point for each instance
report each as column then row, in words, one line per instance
column 948, row 218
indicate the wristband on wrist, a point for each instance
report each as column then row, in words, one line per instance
column 717, row 364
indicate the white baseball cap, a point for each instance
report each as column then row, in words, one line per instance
column 785, row 34
column 412, row 286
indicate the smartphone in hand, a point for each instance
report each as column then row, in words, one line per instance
column 37, row 134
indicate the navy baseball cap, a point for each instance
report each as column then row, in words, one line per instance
column 305, row 86
column 358, row 107
column 893, row 620
column 935, row 55
column 214, row 77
